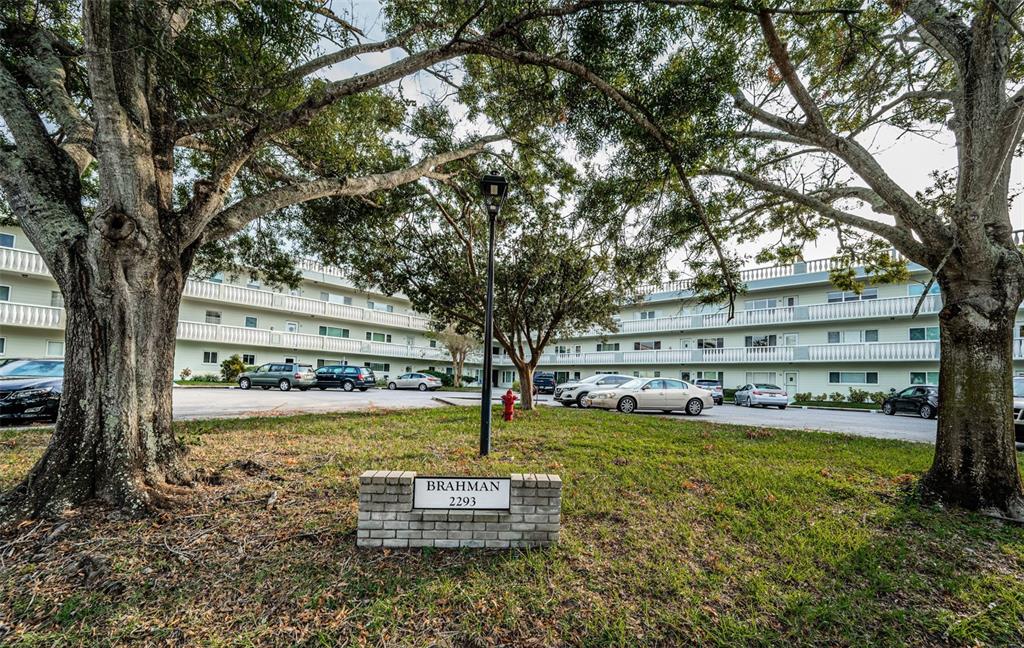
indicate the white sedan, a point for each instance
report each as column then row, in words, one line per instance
column 663, row 394
column 420, row 381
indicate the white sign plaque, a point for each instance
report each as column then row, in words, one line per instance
column 462, row 493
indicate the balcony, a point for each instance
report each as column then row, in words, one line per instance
column 867, row 309
column 24, row 262
column 927, row 351
column 251, row 337
column 302, row 305
column 31, row 316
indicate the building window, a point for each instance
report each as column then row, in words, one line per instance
column 212, row 317
column 710, row 343
column 760, row 341
column 3, row 346
column 575, row 375
column 335, row 299
column 291, row 327
column 924, row 333
column 334, row 331
column 849, row 295
column 507, row 377
column 607, row 346
column 253, row 283
column 708, row 375
column 7, row 240
column 685, row 375
column 834, row 337
column 217, row 277
column 871, row 335
column 916, row 289
column 651, row 345
column 378, row 337
column 295, row 292
column 761, row 377
column 790, row 339
column 790, row 301
column 55, row 348
column 387, row 308
column 760, row 304
column 250, row 321
column 209, row 357
column 853, row 377
column 249, row 358
column 924, row 377
column 646, row 315
column 56, row 299
column 5, row 293
column 657, row 374
column 378, row 366
column 433, row 344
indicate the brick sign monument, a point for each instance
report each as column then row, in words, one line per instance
column 399, row 509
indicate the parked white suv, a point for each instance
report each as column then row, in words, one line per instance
column 573, row 393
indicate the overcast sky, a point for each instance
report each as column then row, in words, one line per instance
column 907, row 157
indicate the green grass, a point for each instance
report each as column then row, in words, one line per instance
column 844, row 404
column 674, row 533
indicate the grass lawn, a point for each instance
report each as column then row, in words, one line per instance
column 674, row 533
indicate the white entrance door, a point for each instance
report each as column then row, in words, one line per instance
column 792, row 382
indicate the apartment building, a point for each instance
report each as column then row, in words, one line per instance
column 326, row 320
column 791, row 328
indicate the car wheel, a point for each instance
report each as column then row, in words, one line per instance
column 392, row 386
column 582, row 403
column 284, row 385
column 245, row 383
column 926, row 411
column 264, row 387
column 627, row 405
column 347, row 386
column 888, row 409
column 422, row 387
column 694, row 407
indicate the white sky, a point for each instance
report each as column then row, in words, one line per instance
column 908, row 158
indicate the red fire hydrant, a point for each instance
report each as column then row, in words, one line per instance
column 509, row 401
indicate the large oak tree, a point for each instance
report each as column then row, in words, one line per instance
column 807, row 96
column 137, row 134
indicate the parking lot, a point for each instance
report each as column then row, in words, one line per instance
column 193, row 403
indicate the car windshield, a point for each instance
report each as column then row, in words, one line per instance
column 44, row 368
column 765, row 386
column 636, row 383
column 1018, row 387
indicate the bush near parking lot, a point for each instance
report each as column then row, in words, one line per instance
column 446, row 379
column 821, row 543
column 231, row 368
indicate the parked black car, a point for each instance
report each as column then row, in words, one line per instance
column 30, row 390
column 544, row 381
column 922, row 400
column 347, row 377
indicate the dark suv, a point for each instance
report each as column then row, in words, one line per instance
column 922, row 400
column 544, row 381
column 347, row 377
column 712, row 386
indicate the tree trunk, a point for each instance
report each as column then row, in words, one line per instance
column 975, row 462
column 525, row 370
column 458, row 362
column 113, row 439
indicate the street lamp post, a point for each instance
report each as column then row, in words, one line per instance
column 494, row 187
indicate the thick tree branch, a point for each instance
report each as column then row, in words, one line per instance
column 238, row 215
column 898, row 237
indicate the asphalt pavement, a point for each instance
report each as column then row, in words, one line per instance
column 195, row 403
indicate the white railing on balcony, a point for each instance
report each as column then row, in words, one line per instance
column 26, row 262
column 867, row 309
column 868, row 351
column 304, row 305
column 250, row 337
column 14, row 314
column 22, row 261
